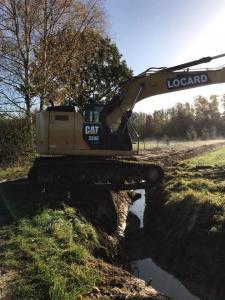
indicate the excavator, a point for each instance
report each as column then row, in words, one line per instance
column 91, row 146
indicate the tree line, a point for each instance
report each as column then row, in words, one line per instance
column 204, row 119
column 60, row 51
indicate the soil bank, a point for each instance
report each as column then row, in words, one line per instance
column 106, row 210
column 184, row 227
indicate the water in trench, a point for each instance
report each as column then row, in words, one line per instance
column 147, row 270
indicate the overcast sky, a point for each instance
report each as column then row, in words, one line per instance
column 159, row 33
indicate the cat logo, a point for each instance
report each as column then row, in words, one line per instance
column 91, row 129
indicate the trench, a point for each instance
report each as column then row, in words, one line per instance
column 145, row 268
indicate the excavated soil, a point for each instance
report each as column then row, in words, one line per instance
column 110, row 222
column 168, row 155
column 200, row 265
column 119, row 284
column 107, row 211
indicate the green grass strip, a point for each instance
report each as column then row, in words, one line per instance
column 214, row 158
column 52, row 255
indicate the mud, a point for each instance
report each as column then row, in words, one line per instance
column 107, row 211
column 199, row 264
column 197, row 261
column 119, row 284
column 6, row 277
column 171, row 154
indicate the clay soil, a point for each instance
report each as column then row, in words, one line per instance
column 169, row 155
column 117, row 283
column 198, row 265
column 109, row 221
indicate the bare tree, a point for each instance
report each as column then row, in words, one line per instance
column 26, row 30
column 52, row 54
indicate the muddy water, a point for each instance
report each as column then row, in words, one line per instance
column 153, row 274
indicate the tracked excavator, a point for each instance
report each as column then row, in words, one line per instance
column 90, row 146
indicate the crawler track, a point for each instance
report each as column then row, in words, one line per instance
column 101, row 173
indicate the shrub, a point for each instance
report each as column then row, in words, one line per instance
column 15, row 142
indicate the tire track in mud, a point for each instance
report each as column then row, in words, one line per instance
column 170, row 155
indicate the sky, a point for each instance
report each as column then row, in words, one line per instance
column 163, row 33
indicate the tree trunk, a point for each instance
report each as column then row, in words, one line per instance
column 29, row 123
column 41, row 102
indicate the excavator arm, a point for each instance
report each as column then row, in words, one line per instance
column 150, row 83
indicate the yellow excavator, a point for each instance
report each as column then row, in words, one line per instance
column 84, row 146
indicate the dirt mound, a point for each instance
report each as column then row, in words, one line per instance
column 119, row 284
column 172, row 154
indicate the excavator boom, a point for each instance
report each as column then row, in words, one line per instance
column 166, row 80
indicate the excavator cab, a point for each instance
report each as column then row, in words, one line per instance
column 98, row 135
column 68, row 130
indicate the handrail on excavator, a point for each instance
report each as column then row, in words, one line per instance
column 202, row 60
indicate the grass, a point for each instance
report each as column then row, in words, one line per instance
column 51, row 249
column 193, row 202
column 197, row 205
column 188, row 225
column 214, row 158
column 52, row 255
column 13, row 172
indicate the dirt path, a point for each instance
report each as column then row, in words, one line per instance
column 168, row 155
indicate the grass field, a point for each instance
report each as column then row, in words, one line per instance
column 214, row 158
column 50, row 251
column 189, row 224
column 197, row 192
column 13, row 172
column 50, row 256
